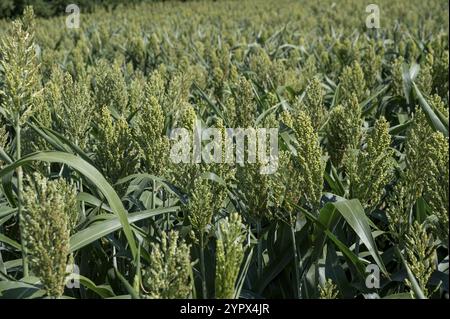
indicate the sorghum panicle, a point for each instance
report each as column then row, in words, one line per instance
column 229, row 255
column 420, row 255
column 116, row 151
column 169, row 273
column 329, row 290
column 20, row 69
column 372, row 169
column 51, row 212
column 344, row 130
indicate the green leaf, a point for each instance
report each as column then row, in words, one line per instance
column 89, row 172
column 103, row 228
column 13, row 263
column 339, row 244
column 363, row 105
column 103, row 291
column 20, row 290
column 163, row 182
column 243, row 274
column 4, row 157
column 134, row 294
column 421, row 210
column 6, row 211
column 408, row 73
column 274, row 268
column 90, row 199
column 397, row 129
column 59, row 141
column 334, row 271
column 354, row 214
column 439, row 123
column 10, row 242
column 415, row 285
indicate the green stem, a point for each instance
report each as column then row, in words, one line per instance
column 19, row 203
column 202, row 267
column 153, row 203
column 83, row 206
column 415, row 287
column 164, row 205
column 259, row 249
column 153, row 194
column 296, row 263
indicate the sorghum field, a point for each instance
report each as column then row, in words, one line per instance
column 93, row 206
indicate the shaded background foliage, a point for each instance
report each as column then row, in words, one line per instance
column 50, row 8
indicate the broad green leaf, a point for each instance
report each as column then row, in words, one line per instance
column 103, row 228
column 363, row 105
column 418, row 293
column 10, row 242
column 89, row 172
column 5, row 211
column 91, row 199
column 334, row 271
column 439, row 123
column 20, row 290
column 13, row 263
column 133, row 293
column 339, row 244
column 354, row 214
column 103, row 291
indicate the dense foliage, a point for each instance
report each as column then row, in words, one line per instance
column 90, row 195
column 49, row 8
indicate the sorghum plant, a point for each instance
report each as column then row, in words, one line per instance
column 371, row 169
column 21, row 88
column 111, row 89
column 353, row 82
column 75, row 100
column 362, row 118
column 51, row 213
column 149, row 134
column 116, row 150
column 328, row 290
column 169, row 273
column 229, row 255
column 344, row 129
column 420, row 253
column 313, row 103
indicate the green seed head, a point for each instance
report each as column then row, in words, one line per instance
column 51, row 213
column 352, row 82
column 329, row 290
column 169, row 273
column 370, row 169
column 229, row 255
column 19, row 69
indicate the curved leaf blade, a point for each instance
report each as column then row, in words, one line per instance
column 354, row 214
column 89, row 172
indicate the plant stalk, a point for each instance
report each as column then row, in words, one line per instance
column 296, row 263
column 202, row 267
column 259, row 249
column 19, row 173
column 153, row 194
column 83, row 205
